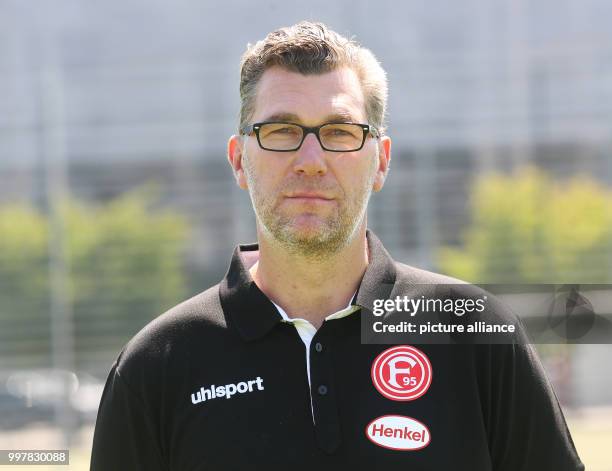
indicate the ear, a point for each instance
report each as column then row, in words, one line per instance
column 234, row 157
column 384, row 158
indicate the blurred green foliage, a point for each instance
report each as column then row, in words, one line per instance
column 123, row 251
column 528, row 228
column 124, row 265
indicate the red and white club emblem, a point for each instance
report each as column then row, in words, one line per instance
column 402, row 373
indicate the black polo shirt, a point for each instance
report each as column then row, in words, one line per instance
column 219, row 383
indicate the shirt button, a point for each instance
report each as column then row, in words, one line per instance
column 318, row 347
column 322, row 390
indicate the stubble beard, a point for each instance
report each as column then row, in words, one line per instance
column 335, row 233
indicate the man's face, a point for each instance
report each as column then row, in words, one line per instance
column 311, row 201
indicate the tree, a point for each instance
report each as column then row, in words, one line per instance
column 526, row 228
column 125, row 267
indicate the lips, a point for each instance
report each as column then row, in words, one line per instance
column 309, row 196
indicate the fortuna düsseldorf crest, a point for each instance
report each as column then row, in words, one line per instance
column 402, row 373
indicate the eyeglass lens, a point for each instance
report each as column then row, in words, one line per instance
column 283, row 136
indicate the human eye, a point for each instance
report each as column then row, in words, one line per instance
column 341, row 131
column 284, row 130
column 279, row 129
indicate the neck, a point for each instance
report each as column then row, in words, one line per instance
column 306, row 288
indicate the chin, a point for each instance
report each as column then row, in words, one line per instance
column 313, row 241
column 307, row 234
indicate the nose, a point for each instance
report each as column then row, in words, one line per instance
column 310, row 157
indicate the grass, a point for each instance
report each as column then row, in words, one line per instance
column 592, row 434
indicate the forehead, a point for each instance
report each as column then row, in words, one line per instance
column 310, row 99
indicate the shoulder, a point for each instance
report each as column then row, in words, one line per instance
column 198, row 319
column 409, row 274
column 412, row 281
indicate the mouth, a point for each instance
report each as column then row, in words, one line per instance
column 308, row 196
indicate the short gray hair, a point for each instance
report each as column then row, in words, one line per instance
column 313, row 48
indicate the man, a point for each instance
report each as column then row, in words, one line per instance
column 266, row 370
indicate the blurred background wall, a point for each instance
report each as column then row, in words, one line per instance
column 116, row 200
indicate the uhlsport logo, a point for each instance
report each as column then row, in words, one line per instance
column 227, row 391
column 402, row 373
column 398, row 432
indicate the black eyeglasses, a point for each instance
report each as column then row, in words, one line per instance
column 279, row 136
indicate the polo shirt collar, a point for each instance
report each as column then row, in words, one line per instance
column 249, row 310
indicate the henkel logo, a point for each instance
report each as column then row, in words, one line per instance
column 402, row 373
column 398, row 432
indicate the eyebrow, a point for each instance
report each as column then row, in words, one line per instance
column 338, row 117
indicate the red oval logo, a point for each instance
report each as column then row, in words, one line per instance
column 398, row 432
column 402, row 373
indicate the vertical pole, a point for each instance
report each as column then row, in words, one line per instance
column 426, row 207
column 55, row 176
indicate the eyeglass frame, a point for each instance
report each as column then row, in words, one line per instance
column 256, row 127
